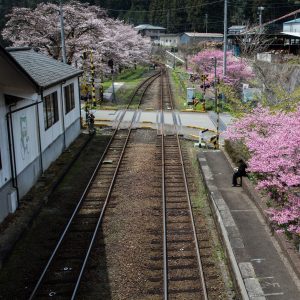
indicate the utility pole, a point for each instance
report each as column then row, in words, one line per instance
column 216, row 102
column 62, row 32
column 206, row 19
column 260, row 9
column 225, row 39
column 215, row 80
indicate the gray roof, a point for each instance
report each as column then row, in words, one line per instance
column 293, row 21
column 149, row 27
column 203, row 34
column 237, row 27
column 43, row 70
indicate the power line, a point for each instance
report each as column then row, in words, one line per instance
column 163, row 10
column 278, row 5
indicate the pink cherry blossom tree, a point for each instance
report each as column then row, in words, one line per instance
column 237, row 69
column 273, row 143
column 87, row 28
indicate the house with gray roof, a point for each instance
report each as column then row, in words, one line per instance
column 169, row 40
column 188, row 38
column 39, row 118
column 153, row 32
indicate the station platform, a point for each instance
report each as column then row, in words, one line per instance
column 261, row 269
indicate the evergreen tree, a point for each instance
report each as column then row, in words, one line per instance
column 178, row 15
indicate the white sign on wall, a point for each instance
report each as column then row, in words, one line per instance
column 25, row 137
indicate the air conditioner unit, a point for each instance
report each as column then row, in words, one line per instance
column 12, row 201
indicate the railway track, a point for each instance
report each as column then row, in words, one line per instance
column 177, row 267
column 183, row 273
column 63, row 272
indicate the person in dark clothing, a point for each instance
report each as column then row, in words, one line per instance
column 241, row 171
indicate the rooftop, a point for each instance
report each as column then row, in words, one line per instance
column 293, row 21
column 237, row 27
column 200, row 34
column 148, row 26
column 44, row 71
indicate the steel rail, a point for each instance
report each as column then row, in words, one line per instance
column 101, row 214
column 83, row 196
column 151, row 79
column 201, row 273
column 164, row 212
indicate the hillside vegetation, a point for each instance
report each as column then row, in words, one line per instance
column 178, row 15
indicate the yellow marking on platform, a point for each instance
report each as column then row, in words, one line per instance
column 101, row 125
column 147, row 122
column 146, row 127
column 102, row 120
column 192, row 110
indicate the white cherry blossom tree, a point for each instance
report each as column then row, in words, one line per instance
column 87, row 29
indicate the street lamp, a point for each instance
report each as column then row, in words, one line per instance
column 260, row 9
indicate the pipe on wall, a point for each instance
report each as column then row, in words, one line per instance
column 39, row 133
column 63, row 114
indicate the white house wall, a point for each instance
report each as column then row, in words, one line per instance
column 25, row 134
column 52, row 133
column 26, row 140
column 72, row 118
column 72, row 115
column 291, row 27
column 57, row 129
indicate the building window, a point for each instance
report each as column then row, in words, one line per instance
column 50, row 110
column 69, row 97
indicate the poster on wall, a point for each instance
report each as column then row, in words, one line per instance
column 24, row 140
column 25, row 137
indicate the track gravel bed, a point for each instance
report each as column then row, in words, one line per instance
column 126, row 262
column 135, row 213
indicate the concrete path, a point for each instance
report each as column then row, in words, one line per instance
column 108, row 94
column 188, row 123
column 259, row 265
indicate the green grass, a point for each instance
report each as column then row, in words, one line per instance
column 180, row 89
column 131, row 78
column 132, row 75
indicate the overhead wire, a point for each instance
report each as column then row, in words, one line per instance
column 164, row 9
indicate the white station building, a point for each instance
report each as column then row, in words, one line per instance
column 39, row 118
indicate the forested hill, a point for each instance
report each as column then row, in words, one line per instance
column 179, row 15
